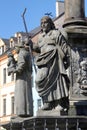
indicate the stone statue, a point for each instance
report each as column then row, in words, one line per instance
column 11, row 63
column 52, row 82
column 23, row 85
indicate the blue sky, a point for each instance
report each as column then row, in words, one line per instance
column 11, row 10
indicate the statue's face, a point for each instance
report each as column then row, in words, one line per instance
column 45, row 25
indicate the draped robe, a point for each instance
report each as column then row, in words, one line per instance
column 52, row 82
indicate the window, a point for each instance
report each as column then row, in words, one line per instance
column 4, row 106
column 2, row 49
column 19, row 39
column 12, row 105
column 4, row 75
column 39, row 103
column 11, row 44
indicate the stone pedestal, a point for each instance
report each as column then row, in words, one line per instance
column 51, row 113
column 75, row 25
column 78, row 69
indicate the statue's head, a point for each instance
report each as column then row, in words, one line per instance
column 23, row 44
column 47, row 24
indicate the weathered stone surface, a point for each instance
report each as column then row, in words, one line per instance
column 50, row 123
column 51, row 113
column 74, row 13
column 74, row 9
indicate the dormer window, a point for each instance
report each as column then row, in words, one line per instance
column 19, row 39
column 11, row 43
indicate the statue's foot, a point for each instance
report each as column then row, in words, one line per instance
column 59, row 108
column 46, row 106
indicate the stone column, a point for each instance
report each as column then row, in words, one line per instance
column 74, row 12
column 75, row 25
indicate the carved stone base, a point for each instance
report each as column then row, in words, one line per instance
column 48, row 123
column 51, row 112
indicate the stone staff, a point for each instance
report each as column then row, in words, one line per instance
column 29, row 40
